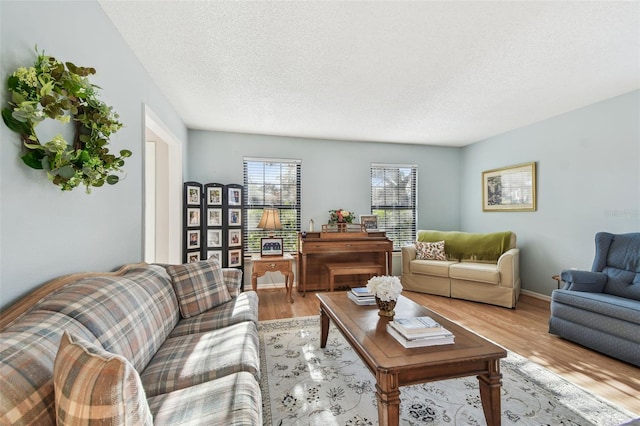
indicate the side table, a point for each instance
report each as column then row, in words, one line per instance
column 557, row 278
column 282, row 264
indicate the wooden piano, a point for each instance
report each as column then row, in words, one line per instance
column 316, row 249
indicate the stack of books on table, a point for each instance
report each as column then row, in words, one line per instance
column 361, row 296
column 416, row 332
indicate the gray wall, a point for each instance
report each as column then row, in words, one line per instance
column 46, row 232
column 588, row 180
column 335, row 174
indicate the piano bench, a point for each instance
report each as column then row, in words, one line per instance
column 351, row 268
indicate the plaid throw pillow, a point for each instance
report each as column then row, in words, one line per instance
column 199, row 286
column 430, row 251
column 95, row 386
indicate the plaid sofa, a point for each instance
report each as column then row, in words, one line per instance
column 198, row 363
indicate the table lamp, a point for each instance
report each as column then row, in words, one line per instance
column 270, row 220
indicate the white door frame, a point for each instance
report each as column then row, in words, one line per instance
column 165, row 231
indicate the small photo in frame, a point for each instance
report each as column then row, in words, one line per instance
column 193, row 239
column 214, row 217
column 370, row 222
column 215, row 254
column 214, row 196
column 193, row 217
column 271, row 247
column 235, row 258
column 193, row 195
column 235, row 217
column 235, row 196
column 214, row 238
column 193, row 257
column 235, row 237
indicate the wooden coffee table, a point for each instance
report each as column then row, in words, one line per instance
column 394, row 366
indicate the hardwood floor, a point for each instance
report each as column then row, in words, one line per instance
column 522, row 330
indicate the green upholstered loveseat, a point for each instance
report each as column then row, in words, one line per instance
column 188, row 332
column 478, row 267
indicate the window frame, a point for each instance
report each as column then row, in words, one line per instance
column 394, row 208
column 290, row 213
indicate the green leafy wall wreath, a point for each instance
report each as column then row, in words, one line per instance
column 62, row 91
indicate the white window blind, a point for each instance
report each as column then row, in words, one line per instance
column 394, row 201
column 271, row 182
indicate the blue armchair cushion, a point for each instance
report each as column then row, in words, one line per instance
column 592, row 282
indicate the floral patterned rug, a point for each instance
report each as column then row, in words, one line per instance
column 305, row 385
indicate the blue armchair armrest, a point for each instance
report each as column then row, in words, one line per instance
column 592, row 282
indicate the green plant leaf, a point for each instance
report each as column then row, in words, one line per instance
column 66, row 172
column 13, row 124
column 112, row 179
column 32, row 160
column 125, row 153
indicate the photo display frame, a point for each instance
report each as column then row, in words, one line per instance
column 511, row 188
column 235, row 196
column 193, row 239
column 271, row 246
column 214, row 195
column 235, row 258
column 193, row 216
column 214, row 217
column 192, row 194
column 370, row 222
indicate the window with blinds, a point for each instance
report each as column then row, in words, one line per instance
column 275, row 183
column 393, row 201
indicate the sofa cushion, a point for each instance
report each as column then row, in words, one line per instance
column 600, row 303
column 622, row 283
column 199, row 286
column 430, row 251
column 239, row 309
column 439, row 268
column 95, row 386
column 231, row 400
column 131, row 315
column 189, row 360
column 480, row 272
column 28, row 349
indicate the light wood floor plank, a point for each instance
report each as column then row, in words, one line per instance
column 522, row 330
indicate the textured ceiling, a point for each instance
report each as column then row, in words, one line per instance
column 432, row 72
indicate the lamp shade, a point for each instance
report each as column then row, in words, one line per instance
column 270, row 219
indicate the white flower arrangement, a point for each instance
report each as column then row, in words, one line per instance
column 385, row 287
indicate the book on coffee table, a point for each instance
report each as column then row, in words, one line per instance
column 361, row 292
column 418, row 342
column 440, row 331
column 362, row 300
column 416, row 325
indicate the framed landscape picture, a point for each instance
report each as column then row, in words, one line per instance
column 510, row 188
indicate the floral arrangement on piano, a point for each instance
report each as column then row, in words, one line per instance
column 341, row 216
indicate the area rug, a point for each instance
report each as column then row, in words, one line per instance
column 303, row 384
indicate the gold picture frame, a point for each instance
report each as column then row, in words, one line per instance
column 511, row 188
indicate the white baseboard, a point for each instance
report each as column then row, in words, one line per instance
column 536, row 295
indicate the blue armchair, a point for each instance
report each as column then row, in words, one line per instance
column 600, row 309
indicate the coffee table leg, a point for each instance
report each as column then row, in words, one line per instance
column 324, row 328
column 490, row 393
column 388, row 394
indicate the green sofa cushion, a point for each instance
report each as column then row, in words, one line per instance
column 469, row 246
